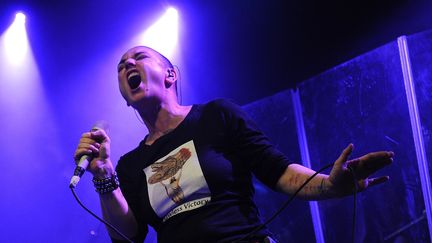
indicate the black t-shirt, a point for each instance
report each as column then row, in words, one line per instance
column 194, row 184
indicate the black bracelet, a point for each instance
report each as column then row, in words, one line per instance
column 106, row 185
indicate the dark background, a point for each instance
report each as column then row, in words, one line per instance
column 244, row 50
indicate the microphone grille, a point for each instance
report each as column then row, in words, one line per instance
column 101, row 125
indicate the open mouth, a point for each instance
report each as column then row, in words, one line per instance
column 134, row 80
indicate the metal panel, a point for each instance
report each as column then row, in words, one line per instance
column 363, row 101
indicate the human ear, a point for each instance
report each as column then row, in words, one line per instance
column 171, row 77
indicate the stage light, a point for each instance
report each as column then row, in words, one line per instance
column 19, row 74
column 15, row 43
column 163, row 34
column 20, row 18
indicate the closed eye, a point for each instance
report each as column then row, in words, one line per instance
column 137, row 56
column 140, row 55
column 120, row 67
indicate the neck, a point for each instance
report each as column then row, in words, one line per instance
column 161, row 118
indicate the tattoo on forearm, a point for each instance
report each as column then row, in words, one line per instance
column 311, row 190
column 322, row 186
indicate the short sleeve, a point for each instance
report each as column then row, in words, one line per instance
column 251, row 145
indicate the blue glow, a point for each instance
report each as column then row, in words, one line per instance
column 15, row 42
column 416, row 127
column 305, row 155
column 163, row 34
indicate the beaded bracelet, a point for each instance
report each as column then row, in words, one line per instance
column 106, row 185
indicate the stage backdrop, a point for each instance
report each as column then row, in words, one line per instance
column 377, row 101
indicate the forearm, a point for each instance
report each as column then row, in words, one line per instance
column 296, row 175
column 346, row 176
column 117, row 212
column 115, row 208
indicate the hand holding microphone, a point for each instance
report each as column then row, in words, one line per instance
column 93, row 154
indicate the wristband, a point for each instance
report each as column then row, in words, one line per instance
column 107, row 184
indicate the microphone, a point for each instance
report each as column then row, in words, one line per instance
column 85, row 159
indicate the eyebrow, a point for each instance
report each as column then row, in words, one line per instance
column 134, row 55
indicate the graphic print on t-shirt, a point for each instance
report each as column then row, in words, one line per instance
column 176, row 182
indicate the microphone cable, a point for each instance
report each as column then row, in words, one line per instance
column 292, row 198
column 99, row 218
column 355, row 202
column 269, row 220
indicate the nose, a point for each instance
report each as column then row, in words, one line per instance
column 130, row 62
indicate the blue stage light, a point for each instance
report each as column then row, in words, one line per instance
column 15, row 42
column 163, row 34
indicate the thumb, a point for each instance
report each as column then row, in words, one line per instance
column 345, row 154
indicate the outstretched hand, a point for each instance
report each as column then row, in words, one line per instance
column 341, row 180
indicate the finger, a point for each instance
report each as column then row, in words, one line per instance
column 378, row 155
column 378, row 180
column 86, row 135
column 88, row 141
column 375, row 161
column 81, row 152
column 99, row 135
column 345, row 154
column 371, row 162
column 93, row 147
